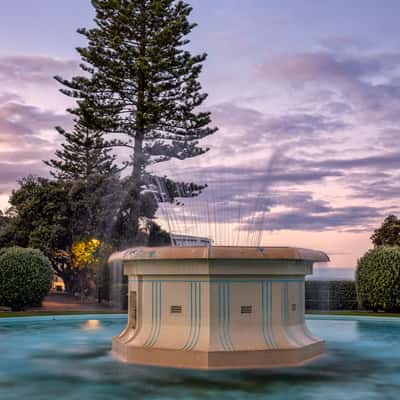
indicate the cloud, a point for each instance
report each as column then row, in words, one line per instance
column 350, row 218
column 19, row 120
column 246, row 126
column 10, row 172
column 275, row 210
column 251, row 177
column 367, row 84
column 386, row 161
column 337, row 108
column 339, row 123
column 27, row 136
column 326, row 66
column 243, row 178
column 34, row 69
column 303, row 212
column 340, row 43
column 382, row 189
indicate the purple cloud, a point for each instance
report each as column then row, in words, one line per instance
column 22, row 143
column 34, row 69
column 325, row 66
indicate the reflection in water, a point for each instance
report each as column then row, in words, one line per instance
column 70, row 359
column 92, row 325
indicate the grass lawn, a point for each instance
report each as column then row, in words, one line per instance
column 354, row 313
column 51, row 313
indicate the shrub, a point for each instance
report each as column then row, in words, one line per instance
column 331, row 295
column 378, row 279
column 25, row 277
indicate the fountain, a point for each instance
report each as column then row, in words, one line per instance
column 217, row 307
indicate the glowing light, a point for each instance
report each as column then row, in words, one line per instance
column 92, row 325
column 85, row 253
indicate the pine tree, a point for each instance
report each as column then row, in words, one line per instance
column 142, row 80
column 85, row 153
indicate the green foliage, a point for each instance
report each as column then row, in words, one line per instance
column 54, row 215
column 389, row 232
column 378, row 279
column 331, row 295
column 3, row 220
column 41, row 215
column 142, row 82
column 25, row 277
column 4, row 229
column 85, row 153
column 158, row 237
column 51, row 215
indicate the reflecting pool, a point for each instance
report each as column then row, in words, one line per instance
column 69, row 358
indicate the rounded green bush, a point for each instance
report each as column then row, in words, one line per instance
column 378, row 279
column 25, row 277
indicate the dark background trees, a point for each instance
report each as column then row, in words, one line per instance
column 388, row 234
column 3, row 220
column 53, row 215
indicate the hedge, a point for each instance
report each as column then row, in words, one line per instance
column 25, row 277
column 331, row 295
column 378, row 279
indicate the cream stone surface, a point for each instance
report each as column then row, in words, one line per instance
column 217, row 307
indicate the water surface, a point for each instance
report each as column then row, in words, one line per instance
column 68, row 358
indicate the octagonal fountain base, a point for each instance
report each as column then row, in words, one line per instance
column 217, row 307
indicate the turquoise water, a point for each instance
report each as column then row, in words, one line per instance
column 69, row 358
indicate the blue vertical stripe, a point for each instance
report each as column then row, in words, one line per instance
column 228, row 305
column 157, row 335
column 265, row 314
column 195, row 316
column 152, row 315
column 270, row 324
column 224, row 315
column 191, row 316
column 220, row 318
column 198, row 315
column 156, row 314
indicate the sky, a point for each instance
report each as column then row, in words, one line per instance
column 306, row 96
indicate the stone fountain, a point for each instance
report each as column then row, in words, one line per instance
column 217, row 307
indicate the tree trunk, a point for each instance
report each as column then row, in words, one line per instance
column 138, row 156
column 70, row 281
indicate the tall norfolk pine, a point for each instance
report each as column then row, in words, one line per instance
column 85, row 153
column 142, row 80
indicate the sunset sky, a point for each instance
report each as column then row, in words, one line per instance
column 306, row 95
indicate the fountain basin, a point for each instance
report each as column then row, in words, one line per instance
column 217, row 307
column 68, row 357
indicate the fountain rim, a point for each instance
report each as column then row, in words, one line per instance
column 220, row 253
